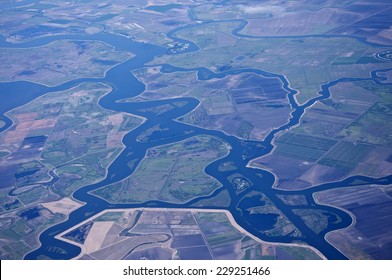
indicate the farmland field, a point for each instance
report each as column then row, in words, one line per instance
column 195, row 129
column 178, row 234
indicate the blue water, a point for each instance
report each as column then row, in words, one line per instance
column 124, row 86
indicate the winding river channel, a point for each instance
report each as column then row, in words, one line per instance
column 125, row 85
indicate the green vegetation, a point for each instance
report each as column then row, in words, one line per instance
column 16, row 231
column 223, row 238
column 346, row 134
column 161, row 109
column 173, row 173
column 345, row 155
column 224, row 232
column 252, row 252
column 31, row 172
column 83, row 171
column 63, row 141
column 35, row 195
column 222, row 199
column 307, row 63
column 56, row 62
column 355, row 60
column 79, row 234
column 109, row 216
column 239, row 182
column 303, row 147
column 294, row 200
column 83, row 138
column 324, row 120
column 12, row 204
column 23, row 189
column 374, row 126
column 21, row 236
column 167, row 231
column 15, row 250
column 227, row 166
column 246, row 105
column 297, row 253
column 316, row 220
column 150, row 135
column 282, row 227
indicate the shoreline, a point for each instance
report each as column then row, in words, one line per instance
column 353, row 220
column 227, row 146
column 292, row 94
column 192, row 210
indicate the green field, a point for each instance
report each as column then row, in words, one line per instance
column 21, row 236
column 248, row 68
column 173, row 173
column 222, row 199
column 294, row 199
column 316, row 220
column 307, row 63
column 346, row 134
column 304, row 147
column 82, row 137
column 345, row 155
column 174, row 234
column 247, row 105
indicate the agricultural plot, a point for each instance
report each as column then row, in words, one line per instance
column 374, row 125
column 222, row 199
column 64, row 206
column 21, row 25
column 246, row 105
column 254, row 67
column 307, row 62
column 369, row 237
column 22, row 229
column 294, row 22
column 343, row 135
column 288, row 19
column 374, row 27
column 69, row 60
column 41, row 148
column 173, row 173
column 173, row 234
column 77, row 137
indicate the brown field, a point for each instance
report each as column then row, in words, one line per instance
column 177, row 234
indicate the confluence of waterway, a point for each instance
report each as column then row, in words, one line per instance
column 126, row 85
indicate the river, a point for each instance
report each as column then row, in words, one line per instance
column 126, row 85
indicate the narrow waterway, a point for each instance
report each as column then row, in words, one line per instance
column 125, row 85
